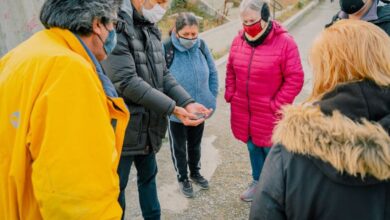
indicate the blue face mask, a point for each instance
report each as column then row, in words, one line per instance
column 110, row 42
column 187, row 43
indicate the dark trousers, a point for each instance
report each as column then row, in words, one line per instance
column 146, row 166
column 185, row 148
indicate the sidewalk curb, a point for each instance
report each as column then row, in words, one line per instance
column 233, row 22
column 298, row 16
column 214, row 9
column 287, row 24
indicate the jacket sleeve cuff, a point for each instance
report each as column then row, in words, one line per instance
column 228, row 97
column 171, row 108
column 188, row 101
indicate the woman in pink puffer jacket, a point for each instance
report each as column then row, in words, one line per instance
column 264, row 72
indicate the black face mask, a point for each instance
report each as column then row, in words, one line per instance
column 351, row 6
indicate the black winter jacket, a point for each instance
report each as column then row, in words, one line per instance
column 138, row 70
column 383, row 20
column 332, row 160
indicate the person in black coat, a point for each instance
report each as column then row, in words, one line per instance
column 367, row 10
column 331, row 158
column 137, row 69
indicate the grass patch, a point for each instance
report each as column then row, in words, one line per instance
column 297, row 6
column 220, row 53
column 206, row 21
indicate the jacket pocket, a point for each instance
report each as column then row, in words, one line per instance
column 272, row 106
column 133, row 130
column 235, row 94
column 209, row 100
column 276, row 111
column 120, row 114
column 158, row 132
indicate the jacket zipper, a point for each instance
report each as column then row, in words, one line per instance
column 247, row 91
column 149, row 62
column 154, row 85
column 140, row 129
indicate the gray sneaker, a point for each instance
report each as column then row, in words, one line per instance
column 200, row 181
column 248, row 194
column 186, row 188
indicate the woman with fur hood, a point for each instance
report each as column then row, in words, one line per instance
column 332, row 157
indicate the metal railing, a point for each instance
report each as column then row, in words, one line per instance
column 276, row 6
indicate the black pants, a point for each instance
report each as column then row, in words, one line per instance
column 146, row 180
column 185, row 148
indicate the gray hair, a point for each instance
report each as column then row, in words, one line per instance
column 254, row 5
column 78, row 15
column 185, row 19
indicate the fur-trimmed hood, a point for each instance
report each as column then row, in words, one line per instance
column 344, row 130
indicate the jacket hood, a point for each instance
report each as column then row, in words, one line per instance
column 349, row 144
column 127, row 7
column 176, row 43
column 383, row 14
column 139, row 19
column 277, row 29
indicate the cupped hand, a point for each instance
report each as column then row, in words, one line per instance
column 198, row 108
column 188, row 119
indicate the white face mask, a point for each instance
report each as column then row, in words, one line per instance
column 155, row 14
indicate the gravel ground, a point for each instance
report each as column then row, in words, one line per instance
column 231, row 177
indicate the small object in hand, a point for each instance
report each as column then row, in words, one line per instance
column 199, row 116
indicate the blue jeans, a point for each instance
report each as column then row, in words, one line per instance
column 257, row 156
column 146, row 166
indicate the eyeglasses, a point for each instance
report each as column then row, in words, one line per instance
column 115, row 21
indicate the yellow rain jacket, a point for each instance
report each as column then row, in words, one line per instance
column 59, row 151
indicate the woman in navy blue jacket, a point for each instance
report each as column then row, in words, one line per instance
column 191, row 63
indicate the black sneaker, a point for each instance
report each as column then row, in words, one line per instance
column 200, row 181
column 186, row 188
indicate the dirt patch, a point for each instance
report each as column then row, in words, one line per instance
column 206, row 21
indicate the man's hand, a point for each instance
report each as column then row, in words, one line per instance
column 198, row 108
column 187, row 118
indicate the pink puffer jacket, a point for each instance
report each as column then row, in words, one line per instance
column 259, row 81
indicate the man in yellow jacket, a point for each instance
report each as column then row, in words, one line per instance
column 61, row 125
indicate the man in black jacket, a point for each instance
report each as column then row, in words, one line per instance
column 367, row 10
column 138, row 70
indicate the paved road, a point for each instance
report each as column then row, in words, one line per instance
column 306, row 31
column 224, row 159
